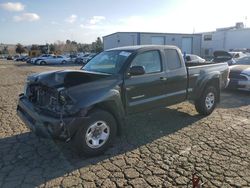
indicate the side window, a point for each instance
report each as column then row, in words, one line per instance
column 151, row 61
column 173, row 59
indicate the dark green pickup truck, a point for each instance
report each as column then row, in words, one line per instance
column 89, row 106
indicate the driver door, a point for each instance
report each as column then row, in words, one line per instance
column 146, row 91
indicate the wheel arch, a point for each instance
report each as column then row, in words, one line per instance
column 42, row 62
column 114, row 109
column 210, row 79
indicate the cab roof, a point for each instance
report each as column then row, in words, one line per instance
column 139, row 47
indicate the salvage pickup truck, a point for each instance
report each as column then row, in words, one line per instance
column 89, row 106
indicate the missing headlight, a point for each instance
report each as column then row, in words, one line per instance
column 63, row 98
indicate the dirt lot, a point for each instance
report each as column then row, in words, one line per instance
column 159, row 149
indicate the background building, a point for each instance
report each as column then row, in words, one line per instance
column 202, row 44
column 229, row 38
column 189, row 43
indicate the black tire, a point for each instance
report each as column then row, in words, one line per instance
column 63, row 62
column 42, row 63
column 200, row 104
column 79, row 140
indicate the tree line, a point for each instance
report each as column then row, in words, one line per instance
column 59, row 47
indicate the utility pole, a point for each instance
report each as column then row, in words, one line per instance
column 48, row 48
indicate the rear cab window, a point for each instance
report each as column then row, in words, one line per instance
column 173, row 59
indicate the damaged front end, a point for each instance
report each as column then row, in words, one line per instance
column 49, row 111
column 56, row 103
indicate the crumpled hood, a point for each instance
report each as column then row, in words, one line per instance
column 65, row 78
column 240, row 69
column 83, row 87
column 219, row 53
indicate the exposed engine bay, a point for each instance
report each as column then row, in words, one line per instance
column 49, row 100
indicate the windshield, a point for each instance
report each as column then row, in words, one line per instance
column 107, row 62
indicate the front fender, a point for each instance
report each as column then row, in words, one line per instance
column 110, row 102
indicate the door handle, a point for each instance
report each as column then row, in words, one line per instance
column 163, row 78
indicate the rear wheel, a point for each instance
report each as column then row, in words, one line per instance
column 206, row 104
column 97, row 134
column 63, row 62
column 42, row 63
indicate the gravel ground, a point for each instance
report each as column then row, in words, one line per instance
column 157, row 149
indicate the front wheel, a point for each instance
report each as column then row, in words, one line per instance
column 206, row 104
column 97, row 134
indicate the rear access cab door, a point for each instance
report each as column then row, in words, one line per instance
column 177, row 79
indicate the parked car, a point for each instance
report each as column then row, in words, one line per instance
column 53, row 60
column 237, row 55
column 243, row 50
column 16, row 57
column 90, row 105
column 239, row 77
column 10, row 57
column 21, row 58
column 191, row 58
column 87, row 58
column 243, row 61
column 223, row 56
column 41, row 57
column 72, row 57
column 80, row 59
column 28, row 60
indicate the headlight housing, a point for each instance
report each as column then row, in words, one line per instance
column 66, row 104
column 63, row 97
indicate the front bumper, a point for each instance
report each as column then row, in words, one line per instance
column 239, row 84
column 45, row 125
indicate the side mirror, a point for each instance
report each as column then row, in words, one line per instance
column 136, row 70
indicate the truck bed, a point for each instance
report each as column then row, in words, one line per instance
column 199, row 64
column 197, row 71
